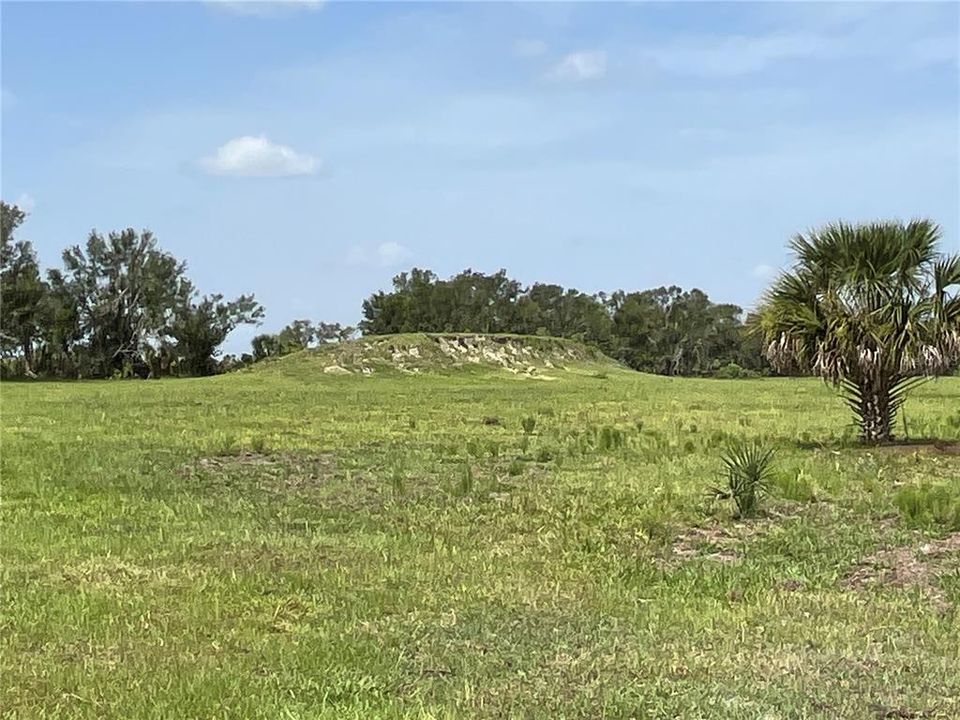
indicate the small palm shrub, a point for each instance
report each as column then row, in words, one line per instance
column 748, row 470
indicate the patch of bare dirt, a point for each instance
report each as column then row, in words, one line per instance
column 708, row 543
column 790, row 585
column 285, row 471
column 724, row 543
column 110, row 574
column 883, row 711
column 245, row 458
column 907, row 567
column 928, row 446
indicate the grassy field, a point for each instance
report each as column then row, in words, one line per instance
column 285, row 543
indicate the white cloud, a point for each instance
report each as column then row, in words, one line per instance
column 740, row 54
column 265, row 8
column 25, row 202
column 388, row 254
column 256, row 156
column 583, row 65
column 391, row 253
column 358, row 256
column 908, row 36
column 764, row 271
column 529, row 48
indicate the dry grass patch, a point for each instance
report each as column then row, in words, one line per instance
column 908, row 567
column 278, row 472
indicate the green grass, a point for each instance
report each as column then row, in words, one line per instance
column 288, row 544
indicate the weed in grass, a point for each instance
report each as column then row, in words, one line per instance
column 934, row 507
column 611, row 438
column 259, row 444
column 717, row 439
column 515, row 467
column 398, row 480
column 656, row 530
column 528, row 424
column 475, row 448
column 797, row 486
column 545, row 455
column 465, row 483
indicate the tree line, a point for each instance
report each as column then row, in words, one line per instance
column 120, row 306
column 666, row 330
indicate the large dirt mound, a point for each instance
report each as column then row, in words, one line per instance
column 531, row 356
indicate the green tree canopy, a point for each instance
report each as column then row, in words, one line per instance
column 201, row 326
column 872, row 308
column 21, row 289
column 127, row 291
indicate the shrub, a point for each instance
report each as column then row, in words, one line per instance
column 747, row 468
column 528, row 424
column 732, row 371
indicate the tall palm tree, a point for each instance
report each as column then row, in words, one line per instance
column 872, row 308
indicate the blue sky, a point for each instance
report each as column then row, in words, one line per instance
column 308, row 152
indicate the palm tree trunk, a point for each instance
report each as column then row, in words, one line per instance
column 875, row 412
